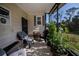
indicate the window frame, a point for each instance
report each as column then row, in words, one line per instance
column 37, row 20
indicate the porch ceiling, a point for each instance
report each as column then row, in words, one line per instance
column 36, row 8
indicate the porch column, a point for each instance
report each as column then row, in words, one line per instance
column 57, row 17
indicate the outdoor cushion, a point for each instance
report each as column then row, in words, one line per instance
column 21, row 35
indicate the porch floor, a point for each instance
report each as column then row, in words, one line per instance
column 39, row 48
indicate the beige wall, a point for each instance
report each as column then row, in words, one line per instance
column 15, row 16
column 8, row 35
column 31, row 26
column 30, row 23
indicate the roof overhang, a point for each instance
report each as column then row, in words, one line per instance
column 56, row 5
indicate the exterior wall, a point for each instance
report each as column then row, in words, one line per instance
column 8, row 35
column 30, row 23
column 31, row 26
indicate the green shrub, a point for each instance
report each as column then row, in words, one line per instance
column 57, row 38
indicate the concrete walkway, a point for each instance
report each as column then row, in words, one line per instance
column 39, row 48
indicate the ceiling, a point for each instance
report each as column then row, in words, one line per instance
column 36, row 8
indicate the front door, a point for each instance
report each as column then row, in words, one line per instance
column 24, row 25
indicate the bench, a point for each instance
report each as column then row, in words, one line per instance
column 8, row 48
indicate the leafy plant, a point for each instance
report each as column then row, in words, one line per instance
column 54, row 36
column 58, row 39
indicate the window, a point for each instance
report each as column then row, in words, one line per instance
column 39, row 20
column 4, row 15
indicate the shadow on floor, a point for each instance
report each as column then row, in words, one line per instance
column 39, row 49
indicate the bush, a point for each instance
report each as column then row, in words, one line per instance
column 57, row 39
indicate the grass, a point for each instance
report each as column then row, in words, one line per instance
column 73, row 41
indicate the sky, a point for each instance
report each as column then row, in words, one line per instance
column 63, row 9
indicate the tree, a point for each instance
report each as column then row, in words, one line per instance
column 75, row 23
column 70, row 12
column 69, row 15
